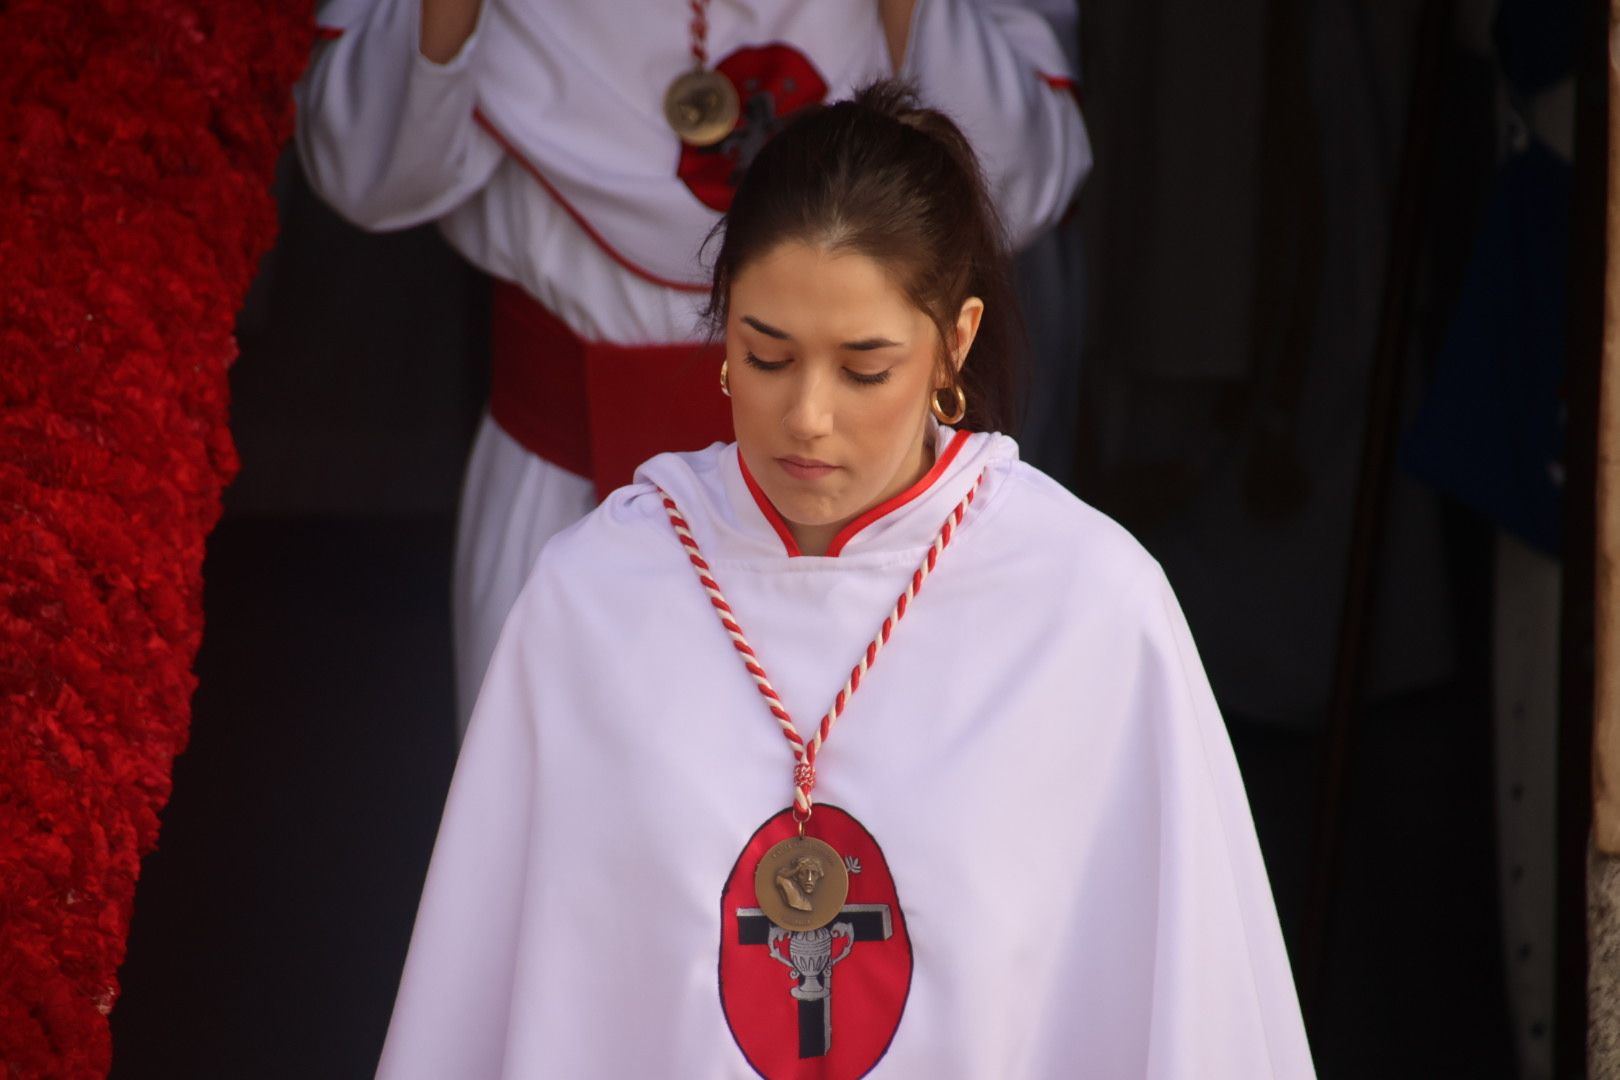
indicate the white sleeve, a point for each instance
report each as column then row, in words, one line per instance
column 387, row 136
column 1002, row 71
column 1223, row 1001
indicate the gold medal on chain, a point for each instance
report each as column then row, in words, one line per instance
column 701, row 105
column 801, row 883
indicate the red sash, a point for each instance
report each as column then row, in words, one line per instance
column 596, row 409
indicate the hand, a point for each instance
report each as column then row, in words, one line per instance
column 896, row 18
column 446, row 26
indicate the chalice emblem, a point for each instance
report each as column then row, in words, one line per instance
column 809, row 954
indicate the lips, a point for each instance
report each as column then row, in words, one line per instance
column 805, row 468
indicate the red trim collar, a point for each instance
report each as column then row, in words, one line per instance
column 882, row 510
column 877, row 513
column 768, row 509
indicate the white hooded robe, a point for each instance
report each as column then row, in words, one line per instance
column 1036, row 752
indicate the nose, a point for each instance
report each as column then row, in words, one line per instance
column 810, row 409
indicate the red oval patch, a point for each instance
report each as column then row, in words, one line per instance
column 773, row 82
column 823, row 1005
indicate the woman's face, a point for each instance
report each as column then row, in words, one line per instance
column 830, row 368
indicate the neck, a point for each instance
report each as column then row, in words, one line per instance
column 816, row 539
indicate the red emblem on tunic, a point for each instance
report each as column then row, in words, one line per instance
column 823, row 1004
column 773, row 82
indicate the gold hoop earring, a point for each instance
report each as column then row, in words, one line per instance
column 725, row 383
column 961, row 405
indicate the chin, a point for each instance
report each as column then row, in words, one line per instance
column 803, row 509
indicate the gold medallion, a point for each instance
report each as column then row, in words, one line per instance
column 702, row 107
column 801, row 884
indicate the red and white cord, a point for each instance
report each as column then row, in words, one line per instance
column 700, row 31
column 804, row 753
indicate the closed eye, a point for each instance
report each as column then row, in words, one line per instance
column 876, row 378
column 764, row 365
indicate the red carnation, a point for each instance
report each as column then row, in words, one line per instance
column 143, row 135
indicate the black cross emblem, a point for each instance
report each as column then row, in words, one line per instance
column 810, row 956
column 759, row 123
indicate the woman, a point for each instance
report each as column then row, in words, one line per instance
column 1016, row 845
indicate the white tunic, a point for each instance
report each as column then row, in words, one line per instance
column 1036, row 751
column 391, row 140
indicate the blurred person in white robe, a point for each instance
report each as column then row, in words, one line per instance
column 536, row 135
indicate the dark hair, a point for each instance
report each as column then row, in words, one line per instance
column 884, row 176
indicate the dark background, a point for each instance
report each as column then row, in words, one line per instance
column 272, row 921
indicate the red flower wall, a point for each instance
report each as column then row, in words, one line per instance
column 137, row 143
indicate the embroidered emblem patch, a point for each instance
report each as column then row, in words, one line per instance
column 825, row 1003
column 773, row 82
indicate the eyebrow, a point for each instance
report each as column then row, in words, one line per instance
column 863, row 345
